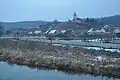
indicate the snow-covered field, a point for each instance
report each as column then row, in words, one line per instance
column 91, row 48
column 98, row 48
column 78, row 43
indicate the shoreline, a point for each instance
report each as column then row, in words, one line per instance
column 71, row 61
column 62, row 68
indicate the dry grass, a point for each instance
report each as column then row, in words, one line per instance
column 41, row 54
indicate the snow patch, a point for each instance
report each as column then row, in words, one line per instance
column 98, row 48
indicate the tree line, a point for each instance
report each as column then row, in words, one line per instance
column 1, row 30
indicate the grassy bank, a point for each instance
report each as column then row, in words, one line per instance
column 62, row 58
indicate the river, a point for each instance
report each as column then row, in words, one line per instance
column 15, row 72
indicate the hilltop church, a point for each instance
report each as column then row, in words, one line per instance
column 76, row 19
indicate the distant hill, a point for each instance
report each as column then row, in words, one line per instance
column 23, row 24
column 111, row 20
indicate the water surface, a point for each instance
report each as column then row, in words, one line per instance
column 15, row 72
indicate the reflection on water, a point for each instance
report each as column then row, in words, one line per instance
column 15, row 72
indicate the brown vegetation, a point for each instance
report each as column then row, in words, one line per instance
column 62, row 58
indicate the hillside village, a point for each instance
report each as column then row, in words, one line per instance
column 75, row 28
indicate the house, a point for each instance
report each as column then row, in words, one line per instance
column 109, row 29
column 100, row 31
column 91, row 30
column 30, row 33
column 62, row 31
column 117, row 32
column 37, row 31
column 96, row 31
column 52, row 31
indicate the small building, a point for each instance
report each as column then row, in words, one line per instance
column 117, row 32
column 96, row 31
column 63, row 31
column 30, row 33
column 52, row 31
column 37, row 31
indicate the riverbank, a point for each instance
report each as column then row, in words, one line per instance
column 67, row 58
column 21, row 72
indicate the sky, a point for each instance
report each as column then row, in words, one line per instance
column 48, row 10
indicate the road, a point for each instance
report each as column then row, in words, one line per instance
column 69, row 42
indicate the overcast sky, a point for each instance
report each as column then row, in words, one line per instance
column 29, row 10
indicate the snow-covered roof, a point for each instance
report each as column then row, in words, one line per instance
column 46, row 32
column 91, row 30
column 102, row 30
column 52, row 31
column 106, row 26
column 96, row 31
column 37, row 32
column 63, row 31
column 30, row 33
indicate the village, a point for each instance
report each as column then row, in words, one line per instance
column 87, row 30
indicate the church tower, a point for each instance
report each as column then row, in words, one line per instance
column 75, row 17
